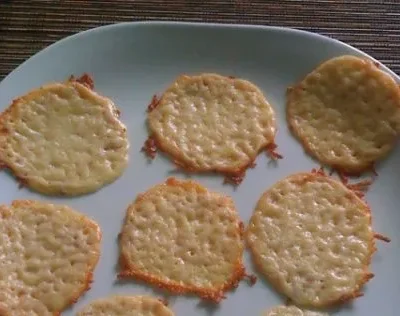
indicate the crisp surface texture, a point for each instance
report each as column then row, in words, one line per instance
column 210, row 122
column 126, row 306
column 346, row 113
column 184, row 238
column 311, row 237
column 291, row 311
column 64, row 139
column 48, row 253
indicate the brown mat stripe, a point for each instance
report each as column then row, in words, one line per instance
column 28, row 26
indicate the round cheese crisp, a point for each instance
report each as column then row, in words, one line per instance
column 346, row 113
column 126, row 306
column 63, row 139
column 311, row 237
column 48, row 253
column 212, row 123
column 291, row 311
column 184, row 238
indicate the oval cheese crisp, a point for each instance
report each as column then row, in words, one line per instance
column 291, row 311
column 48, row 253
column 346, row 113
column 210, row 122
column 311, row 237
column 126, row 306
column 63, row 138
column 184, row 238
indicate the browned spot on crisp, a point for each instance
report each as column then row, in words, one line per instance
column 153, row 103
column 85, row 79
column 180, row 165
column 382, row 237
column 241, row 228
column 164, row 301
column 150, row 147
column 112, row 146
column 231, row 77
column 235, row 179
column 21, row 293
column 360, row 187
column 252, row 165
column 21, row 182
column 369, row 276
column 343, row 177
column 320, row 171
column 14, row 102
column 251, row 279
column 215, row 298
column 360, row 194
column 377, row 65
column 272, row 153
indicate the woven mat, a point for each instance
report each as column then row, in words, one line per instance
column 370, row 25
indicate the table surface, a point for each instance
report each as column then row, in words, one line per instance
column 370, row 25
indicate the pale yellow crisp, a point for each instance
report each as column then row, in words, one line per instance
column 184, row 238
column 312, row 239
column 63, row 138
column 126, row 306
column 210, row 122
column 346, row 113
column 48, row 254
column 291, row 311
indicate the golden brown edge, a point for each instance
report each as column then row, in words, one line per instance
column 84, row 79
column 367, row 275
column 214, row 295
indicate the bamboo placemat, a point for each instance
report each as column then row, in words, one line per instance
column 28, row 26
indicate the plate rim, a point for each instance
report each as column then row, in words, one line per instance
column 282, row 29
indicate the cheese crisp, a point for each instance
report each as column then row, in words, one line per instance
column 48, row 253
column 63, row 139
column 346, row 113
column 181, row 237
column 126, row 306
column 212, row 123
column 291, row 311
column 311, row 237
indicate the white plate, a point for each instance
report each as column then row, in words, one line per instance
column 130, row 62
